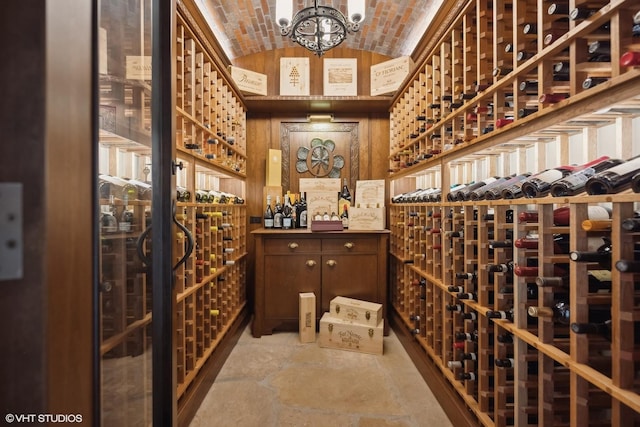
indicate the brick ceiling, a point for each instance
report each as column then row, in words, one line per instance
column 391, row 27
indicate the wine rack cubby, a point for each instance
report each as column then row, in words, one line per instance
column 487, row 285
column 211, row 153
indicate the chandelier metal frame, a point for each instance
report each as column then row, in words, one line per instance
column 319, row 28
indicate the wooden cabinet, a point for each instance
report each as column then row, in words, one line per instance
column 351, row 264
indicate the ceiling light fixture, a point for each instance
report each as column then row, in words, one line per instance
column 319, row 28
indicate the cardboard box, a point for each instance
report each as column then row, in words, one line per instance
column 367, row 219
column 356, row 311
column 307, row 314
column 370, row 193
column 343, row 335
column 274, row 168
column 386, row 77
column 320, row 184
column 249, row 82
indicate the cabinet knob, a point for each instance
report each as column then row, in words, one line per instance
column 292, row 245
column 310, row 263
column 349, row 245
column 332, row 263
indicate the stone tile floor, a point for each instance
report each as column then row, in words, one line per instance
column 277, row 381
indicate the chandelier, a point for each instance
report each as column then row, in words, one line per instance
column 319, row 28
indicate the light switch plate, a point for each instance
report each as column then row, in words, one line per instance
column 11, row 244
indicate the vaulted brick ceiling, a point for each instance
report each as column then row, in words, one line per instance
column 391, row 27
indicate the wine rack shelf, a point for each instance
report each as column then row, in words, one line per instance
column 470, row 279
column 211, row 153
column 471, row 94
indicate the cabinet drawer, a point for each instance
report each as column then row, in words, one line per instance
column 350, row 245
column 290, row 245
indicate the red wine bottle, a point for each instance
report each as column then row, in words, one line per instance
column 496, row 192
column 540, row 184
column 575, row 183
column 615, row 179
column 631, row 58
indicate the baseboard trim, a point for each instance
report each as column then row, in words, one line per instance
column 448, row 398
column 191, row 400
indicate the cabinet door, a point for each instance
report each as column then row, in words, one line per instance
column 285, row 277
column 353, row 276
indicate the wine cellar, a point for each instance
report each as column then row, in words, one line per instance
column 200, row 189
column 521, row 292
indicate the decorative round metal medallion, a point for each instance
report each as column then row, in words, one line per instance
column 319, row 160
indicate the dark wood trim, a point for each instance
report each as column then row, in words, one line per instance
column 192, row 398
column 449, row 399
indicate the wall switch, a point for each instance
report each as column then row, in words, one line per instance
column 11, row 244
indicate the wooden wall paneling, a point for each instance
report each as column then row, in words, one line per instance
column 69, row 192
column 268, row 62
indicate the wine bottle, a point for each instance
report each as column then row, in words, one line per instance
column 604, row 329
column 469, row 316
column 558, row 9
column 455, row 289
column 467, row 336
column 590, row 82
column 108, row 221
column 581, row 13
column 345, row 194
column 505, row 338
column 539, row 185
column 278, row 215
column 500, row 314
column 454, row 307
column 268, row 214
column 560, row 312
column 599, row 281
column 496, row 192
column 632, row 224
column 530, row 241
column 465, row 193
column 471, row 296
column 126, row 217
column 552, row 98
column 286, row 214
column 505, row 363
column 615, row 179
column 631, row 58
column 561, row 215
column 467, row 276
column 628, row 266
column 452, row 364
column 468, row 356
column 600, row 47
column 467, row 376
column 575, row 183
column 602, row 255
column 506, row 267
column 500, row 123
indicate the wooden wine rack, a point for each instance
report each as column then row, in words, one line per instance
column 211, row 149
column 448, row 115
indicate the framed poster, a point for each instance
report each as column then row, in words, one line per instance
column 294, row 76
column 340, row 77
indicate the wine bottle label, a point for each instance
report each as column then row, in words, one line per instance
column 548, row 176
column 626, row 167
column 598, row 213
column 454, row 364
column 601, row 275
column 268, row 223
column 579, row 178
